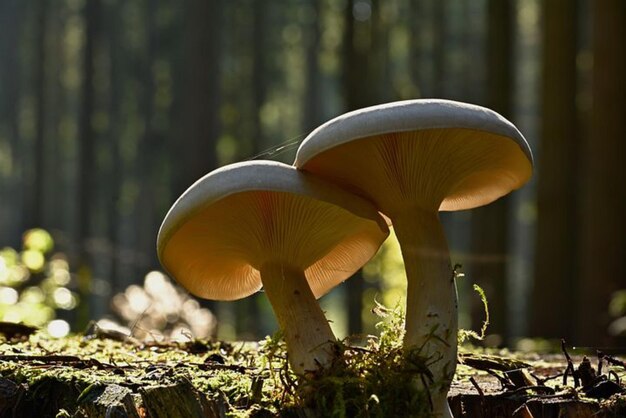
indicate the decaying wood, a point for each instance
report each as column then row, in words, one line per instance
column 110, row 401
column 522, row 394
column 10, row 394
column 179, row 399
column 498, row 406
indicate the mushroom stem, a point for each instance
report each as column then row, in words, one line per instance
column 305, row 328
column 431, row 312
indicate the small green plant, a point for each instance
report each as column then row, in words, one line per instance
column 466, row 334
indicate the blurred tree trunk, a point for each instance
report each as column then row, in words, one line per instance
column 363, row 70
column 11, row 218
column 200, row 93
column 150, row 146
column 556, row 243
column 427, row 25
column 472, row 35
column 56, row 102
column 248, row 324
column 439, row 49
column 355, row 80
column 194, row 148
column 489, row 223
column 115, row 168
column 418, row 47
column 34, row 195
column 86, row 160
column 259, row 82
column 311, row 105
column 603, row 224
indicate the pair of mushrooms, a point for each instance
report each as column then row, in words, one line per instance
column 298, row 232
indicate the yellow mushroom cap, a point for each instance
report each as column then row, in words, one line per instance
column 219, row 233
column 439, row 153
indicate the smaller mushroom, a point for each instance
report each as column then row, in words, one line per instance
column 263, row 223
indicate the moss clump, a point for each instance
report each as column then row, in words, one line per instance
column 378, row 379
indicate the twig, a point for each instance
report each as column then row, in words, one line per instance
column 612, row 360
column 504, row 381
column 538, row 388
column 523, row 412
column 600, row 355
column 48, row 358
column 478, row 389
column 541, row 381
column 74, row 360
column 570, row 366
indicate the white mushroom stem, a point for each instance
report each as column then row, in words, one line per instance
column 431, row 310
column 305, row 328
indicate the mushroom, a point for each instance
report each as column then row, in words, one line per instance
column 265, row 224
column 412, row 159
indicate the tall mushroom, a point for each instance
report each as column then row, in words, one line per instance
column 263, row 223
column 412, row 159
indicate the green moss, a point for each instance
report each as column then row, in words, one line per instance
column 378, row 379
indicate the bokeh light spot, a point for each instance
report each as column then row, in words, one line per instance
column 58, row 328
column 8, row 296
column 33, row 259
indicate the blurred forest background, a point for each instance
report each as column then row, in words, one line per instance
column 110, row 109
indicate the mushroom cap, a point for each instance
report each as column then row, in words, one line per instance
column 219, row 232
column 438, row 154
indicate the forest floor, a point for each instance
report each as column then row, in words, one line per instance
column 104, row 374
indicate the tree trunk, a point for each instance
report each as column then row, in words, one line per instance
column 199, row 107
column 259, row 82
column 11, row 218
column 115, row 169
column 85, row 174
column 603, row 225
column 363, row 70
column 53, row 195
column 488, row 263
column 439, row 49
column 311, row 105
column 198, row 117
column 34, row 204
column 150, row 144
column 556, row 243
